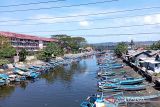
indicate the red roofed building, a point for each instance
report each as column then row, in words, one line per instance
column 29, row 42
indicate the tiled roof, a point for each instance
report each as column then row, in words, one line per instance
column 25, row 36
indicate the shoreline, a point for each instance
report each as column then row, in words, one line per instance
column 33, row 69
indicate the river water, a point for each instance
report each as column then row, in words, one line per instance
column 63, row 87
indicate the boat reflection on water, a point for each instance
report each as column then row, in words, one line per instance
column 63, row 73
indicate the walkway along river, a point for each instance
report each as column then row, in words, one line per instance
column 63, row 87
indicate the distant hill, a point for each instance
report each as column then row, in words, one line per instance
column 111, row 45
column 114, row 43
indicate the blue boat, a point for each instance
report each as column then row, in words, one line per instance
column 4, row 79
column 111, row 66
column 16, row 78
column 98, row 101
column 131, row 81
column 115, row 100
column 2, row 82
column 122, row 87
column 106, row 73
column 116, row 66
column 125, row 81
column 131, row 87
column 30, row 73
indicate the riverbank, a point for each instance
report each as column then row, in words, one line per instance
column 68, row 84
column 32, row 69
column 124, row 81
column 37, row 62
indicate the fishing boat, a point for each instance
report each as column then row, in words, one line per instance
column 116, row 66
column 125, row 81
column 4, row 79
column 106, row 79
column 97, row 101
column 2, row 82
column 115, row 100
column 106, row 73
column 111, row 61
column 122, row 87
column 131, row 81
column 125, row 88
column 16, row 78
column 29, row 74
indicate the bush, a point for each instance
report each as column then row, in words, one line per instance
column 22, row 55
column 3, row 62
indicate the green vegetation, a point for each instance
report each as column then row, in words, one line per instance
column 22, row 55
column 6, row 50
column 66, row 44
column 70, row 44
column 155, row 46
column 3, row 61
column 51, row 50
column 121, row 49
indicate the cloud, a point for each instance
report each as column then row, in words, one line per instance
column 152, row 19
column 46, row 18
column 5, row 20
column 84, row 23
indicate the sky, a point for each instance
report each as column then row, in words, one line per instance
column 112, row 23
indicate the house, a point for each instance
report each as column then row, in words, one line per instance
column 150, row 64
column 136, row 55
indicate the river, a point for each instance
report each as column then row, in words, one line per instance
column 63, row 87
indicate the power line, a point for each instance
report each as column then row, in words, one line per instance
column 32, row 3
column 120, row 34
column 99, row 19
column 124, row 34
column 100, row 28
column 66, row 6
column 92, row 14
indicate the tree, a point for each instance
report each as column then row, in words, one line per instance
column 3, row 62
column 155, row 46
column 121, row 49
column 6, row 50
column 22, row 55
column 52, row 49
column 70, row 43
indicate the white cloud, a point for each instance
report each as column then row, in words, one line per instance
column 46, row 18
column 152, row 19
column 84, row 23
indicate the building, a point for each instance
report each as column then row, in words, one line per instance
column 148, row 60
column 150, row 64
column 28, row 42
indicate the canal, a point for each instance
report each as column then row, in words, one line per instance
column 63, row 87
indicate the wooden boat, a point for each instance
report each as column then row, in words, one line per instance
column 108, row 85
column 122, row 87
column 16, row 78
column 115, row 100
column 111, row 61
column 2, row 82
column 30, row 74
column 116, row 66
column 124, row 81
column 131, row 81
column 106, row 73
column 111, row 66
column 4, row 79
